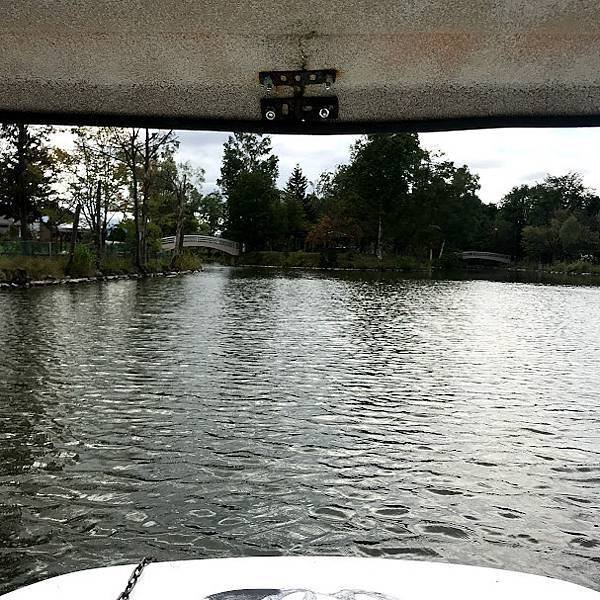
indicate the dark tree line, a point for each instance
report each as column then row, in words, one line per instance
column 393, row 197
column 557, row 219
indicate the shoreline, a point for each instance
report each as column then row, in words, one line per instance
column 97, row 279
column 422, row 271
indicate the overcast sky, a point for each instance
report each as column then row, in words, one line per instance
column 502, row 158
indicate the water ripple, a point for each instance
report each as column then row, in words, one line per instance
column 234, row 413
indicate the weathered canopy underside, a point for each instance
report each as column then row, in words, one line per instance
column 429, row 64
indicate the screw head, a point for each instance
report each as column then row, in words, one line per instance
column 270, row 115
column 324, row 113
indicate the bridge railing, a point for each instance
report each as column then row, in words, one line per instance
column 493, row 256
column 206, row 241
column 194, row 240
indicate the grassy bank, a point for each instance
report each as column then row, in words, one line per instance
column 354, row 260
column 23, row 269
column 578, row 267
column 330, row 260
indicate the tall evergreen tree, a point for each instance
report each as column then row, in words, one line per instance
column 26, row 173
column 297, row 186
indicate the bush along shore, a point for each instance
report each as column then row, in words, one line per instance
column 29, row 271
column 350, row 260
column 331, row 259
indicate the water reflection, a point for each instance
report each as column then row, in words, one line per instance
column 242, row 412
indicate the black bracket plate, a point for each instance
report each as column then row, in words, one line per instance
column 270, row 79
column 300, row 109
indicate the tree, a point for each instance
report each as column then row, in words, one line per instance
column 547, row 207
column 540, row 243
column 157, row 145
column 378, row 181
column 211, row 213
column 577, row 239
column 297, row 184
column 248, row 175
column 26, row 173
column 333, row 230
column 95, row 181
column 297, row 187
column 140, row 152
column 128, row 151
column 444, row 210
column 513, row 216
column 297, row 211
column 184, row 182
column 406, row 200
column 247, row 153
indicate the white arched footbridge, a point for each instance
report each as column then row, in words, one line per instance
column 203, row 241
column 491, row 256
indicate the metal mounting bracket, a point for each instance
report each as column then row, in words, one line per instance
column 298, row 107
column 297, row 79
column 301, row 109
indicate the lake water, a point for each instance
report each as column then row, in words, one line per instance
column 237, row 412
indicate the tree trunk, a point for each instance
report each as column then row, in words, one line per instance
column 20, row 193
column 103, row 231
column 380, row 238
column 145, row 197
column 69, row 266
column 98, row 226
column 442, row 249
column 430, row 261
column 136, row 205
column 179, row 229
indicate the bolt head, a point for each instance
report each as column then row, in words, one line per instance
column 270, row 115
column 324, row 113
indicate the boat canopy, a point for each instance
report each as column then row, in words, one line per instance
column 393, row 64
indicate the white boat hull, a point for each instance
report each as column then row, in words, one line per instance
column 304, row 578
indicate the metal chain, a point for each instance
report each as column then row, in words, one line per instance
column 135, row 576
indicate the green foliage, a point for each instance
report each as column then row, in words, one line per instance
column 186, row 262
column 176, row 195
column 117, row 265
column 556, row 219
column 392, row 199
column 27, row 173
column 578, row 266
column 83, row 262
column 337, row 259
column 247, row 153
column 93, row 180
column 540, row 243
column 248, row 175
column 211, row 213
column 253, row 209
column 35, row 267
column 577, row 239
column 280, row 259
column 396, row 194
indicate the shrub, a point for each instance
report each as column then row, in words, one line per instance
column 186, row 262
column 117, row 265
column 34, row 267
column 83, row 262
